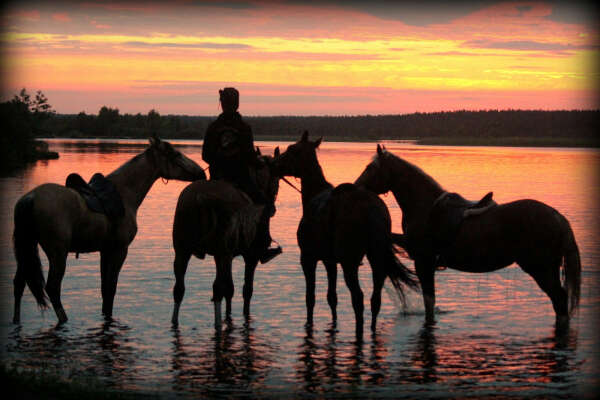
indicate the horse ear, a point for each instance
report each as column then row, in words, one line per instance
column 379, row 150
column 154, row 139
column 318, row 142
column 304, row 137
column 276, row 153
column 258, row 151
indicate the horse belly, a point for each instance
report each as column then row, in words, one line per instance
column 90, row 235
column 482, row 246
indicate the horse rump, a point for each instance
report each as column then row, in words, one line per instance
column 572, row 265
column 25, row 244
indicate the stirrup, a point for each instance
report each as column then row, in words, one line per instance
column 270, row 254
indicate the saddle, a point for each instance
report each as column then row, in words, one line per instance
column 448, row 213
column 100, row 194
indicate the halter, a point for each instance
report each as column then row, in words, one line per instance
column 291, row 184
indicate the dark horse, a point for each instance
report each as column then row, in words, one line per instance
column 215, row 217
column 528, row 232
column 341, row 225
column 57, row 218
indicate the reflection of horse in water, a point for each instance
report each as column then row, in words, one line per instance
column 341, row 225
column 57, row 218
column 327, row 363
column 234, row 356
column 214, row 217
column 528, row 232
column 471, row 360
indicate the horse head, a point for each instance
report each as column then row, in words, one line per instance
column 376, row 177
column 171, row 163
column 267, row 176
column 298, row 158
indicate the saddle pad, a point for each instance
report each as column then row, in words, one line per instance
column 100, row 194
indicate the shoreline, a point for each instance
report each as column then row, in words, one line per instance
column 514, row 141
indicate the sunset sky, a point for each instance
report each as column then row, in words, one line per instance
column 302, row 57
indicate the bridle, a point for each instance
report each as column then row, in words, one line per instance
column 171, row 158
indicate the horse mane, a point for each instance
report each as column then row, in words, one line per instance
column 127, row 163
column 398, row 163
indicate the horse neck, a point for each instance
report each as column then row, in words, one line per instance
column 312, row 182
column 416, row 197
column 134, row 180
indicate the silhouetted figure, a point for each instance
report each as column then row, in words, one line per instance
column 229, row 151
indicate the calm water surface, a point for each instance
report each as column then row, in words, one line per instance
column 494, row 334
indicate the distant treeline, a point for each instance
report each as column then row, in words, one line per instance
column 21, row 119
column 473, row 125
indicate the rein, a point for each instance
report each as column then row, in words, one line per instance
column 291, row 184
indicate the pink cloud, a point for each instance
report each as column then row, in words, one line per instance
column 33, row 15
column 98, row 25
column 61, row 17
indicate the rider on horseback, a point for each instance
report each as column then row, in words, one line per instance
column 229, row 150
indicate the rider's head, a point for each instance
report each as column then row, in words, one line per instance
column 230, row 99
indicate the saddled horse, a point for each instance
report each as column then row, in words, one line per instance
column 216, row 218
column 57, row 218
column 532, row 234
column 341, row 225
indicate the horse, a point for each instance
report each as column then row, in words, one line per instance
column 527, row 232
column 215, row 217
column 341, row 225
column 57, row 218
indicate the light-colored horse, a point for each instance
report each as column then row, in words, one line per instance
column 56, row 217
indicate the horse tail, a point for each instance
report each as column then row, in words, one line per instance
column 25, row 242
column 382, row 247
column 572, row 265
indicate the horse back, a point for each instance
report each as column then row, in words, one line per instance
column 63, row 219
column 340, row 229
column 521, row 231
column 211, row 217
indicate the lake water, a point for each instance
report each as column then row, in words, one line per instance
column 494, row 335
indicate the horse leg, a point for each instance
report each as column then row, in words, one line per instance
column 56, row 271
column 19, row 287
column 351, row 278
column 111, row 261
column 179, row 267
column 250, row 267
column 378, row 281
column 222, row 287
column 308, row 267
column 331, row 268
column 548, row 279
column 426, row 273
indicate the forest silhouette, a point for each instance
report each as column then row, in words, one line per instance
column 26, row 118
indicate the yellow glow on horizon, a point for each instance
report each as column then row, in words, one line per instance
column 127, row 62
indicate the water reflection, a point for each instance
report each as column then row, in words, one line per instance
column 424, row 358
column 485, row 344
column 482, row 362
column 112, row 146
column 340, row 366
column 103, row 353
column 232, row 358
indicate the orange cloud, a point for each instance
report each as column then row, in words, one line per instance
column 481, row 56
